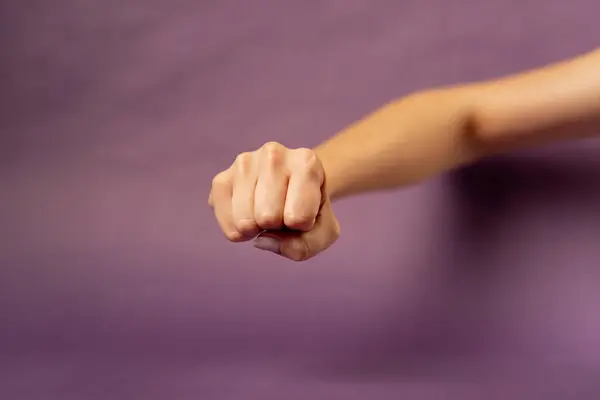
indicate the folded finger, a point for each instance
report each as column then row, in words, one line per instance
column 303, row 199
column 220, row 199
column 271, row 189
column 242, row 201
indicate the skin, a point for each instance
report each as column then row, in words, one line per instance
column 281, row 198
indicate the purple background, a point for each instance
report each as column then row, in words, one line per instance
column 115, row 282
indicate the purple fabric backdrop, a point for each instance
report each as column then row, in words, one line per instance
column 116, row 284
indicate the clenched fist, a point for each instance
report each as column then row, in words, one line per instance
column 277, row 197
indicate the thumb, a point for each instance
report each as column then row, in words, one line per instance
column 300, row 246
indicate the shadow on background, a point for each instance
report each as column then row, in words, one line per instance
column 488, row 194
column 453, row 323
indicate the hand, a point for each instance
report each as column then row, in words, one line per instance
column 276, row 196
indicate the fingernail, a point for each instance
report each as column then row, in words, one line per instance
column 267, row 243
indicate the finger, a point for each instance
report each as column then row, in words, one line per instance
column 220, row 201
column 271, row 188
column 303, row 198
column 308, row 244
column 242, row 201
column 301, row 246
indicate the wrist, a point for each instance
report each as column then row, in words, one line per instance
column 333, row 184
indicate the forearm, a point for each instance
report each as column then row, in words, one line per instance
column 400, row 144
column 424, row 134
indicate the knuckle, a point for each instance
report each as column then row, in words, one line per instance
column 268, row 220
column 244, row 162
column 246, row 226
column 220, row 180
column 306, row 157
column 296, row 250
column 273, row 153
column 308, row 161
column 298, row 220
column 273, row 147
column 234, row 236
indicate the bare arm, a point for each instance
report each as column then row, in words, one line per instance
column 408, row 140
column 427, row 133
